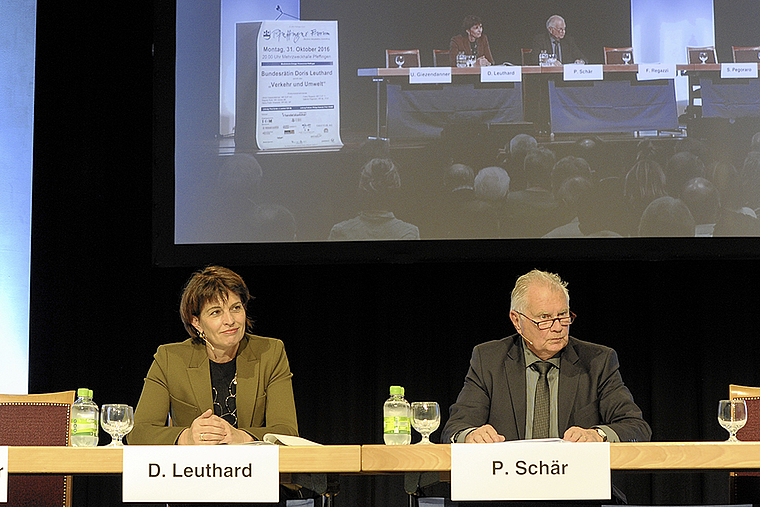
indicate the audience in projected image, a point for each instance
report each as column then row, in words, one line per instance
column 567, row 199
column 379, row 187
column 234, row 210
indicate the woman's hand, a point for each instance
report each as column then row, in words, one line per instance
column 209, row 429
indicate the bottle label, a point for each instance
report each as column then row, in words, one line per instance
column 397, row 425
column 84, row 427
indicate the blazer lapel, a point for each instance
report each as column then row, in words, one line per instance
column 516, row 384
column 568, row 385
column 248, row 363
column 199, row 376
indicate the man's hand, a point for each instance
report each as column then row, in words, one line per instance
column 576, row 434
column 486, row 434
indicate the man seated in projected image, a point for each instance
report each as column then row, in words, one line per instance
column 555, row 42
column 533, row 212
column 586, row 398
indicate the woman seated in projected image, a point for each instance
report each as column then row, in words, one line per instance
column 472, row 42
column 379, row 187
column 223, row 385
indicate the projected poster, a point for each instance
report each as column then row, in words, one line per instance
column 288, row 85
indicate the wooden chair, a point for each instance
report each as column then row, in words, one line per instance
column 694, row 52
column 441, row 58
column 745, row 486
column 746, row 54
column 614, row 56
column 411, row 57
column 37, row 419
column 526, row 57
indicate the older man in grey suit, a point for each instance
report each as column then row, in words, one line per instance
column 512, row 382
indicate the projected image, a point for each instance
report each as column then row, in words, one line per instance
column 628, row 154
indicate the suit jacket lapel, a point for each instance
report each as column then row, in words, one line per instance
column 568, row 385
column 248, row 363
column 516, row 384
column 199, row 376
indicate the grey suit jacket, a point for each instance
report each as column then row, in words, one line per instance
column 591, row 392
column 570, row 50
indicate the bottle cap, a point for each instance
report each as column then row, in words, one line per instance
column 83, row 391
column 89, row 393
column 397, row 390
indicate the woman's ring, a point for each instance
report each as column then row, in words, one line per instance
column 202, row 439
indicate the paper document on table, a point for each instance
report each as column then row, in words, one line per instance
column 274, row 438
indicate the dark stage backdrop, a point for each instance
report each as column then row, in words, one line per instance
column 683, row 329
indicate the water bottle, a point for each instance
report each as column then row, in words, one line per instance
column 461, row 59
column 84, row 420
column 543, row 56
column 397, row 428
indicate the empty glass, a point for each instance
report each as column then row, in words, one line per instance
column 626, row 58
column 703, row 57
column 732, row 415
column 400, row 61
column 426, row 417
column 117, row 420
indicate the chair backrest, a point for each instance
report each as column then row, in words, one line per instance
column 30, row 420
column 411, row 57
column 746, row 54
column 751, row 396
column 694, row 54
column 614, row 56
column 525, row 56
column 441, row 58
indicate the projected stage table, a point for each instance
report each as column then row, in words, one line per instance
column 619, row 103
column 723, row 98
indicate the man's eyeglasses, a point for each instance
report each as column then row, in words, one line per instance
column 543, row 325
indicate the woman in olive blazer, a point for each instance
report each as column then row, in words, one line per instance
column 222, row 385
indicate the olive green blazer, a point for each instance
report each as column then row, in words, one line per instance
column 179, row 384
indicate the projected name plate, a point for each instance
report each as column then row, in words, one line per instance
column 524, row 470
column 421, row 75
column 653, row 71
column 3, row 474
column 501, row 74
column 579, row 72
column 738, row 70
column 225, row 473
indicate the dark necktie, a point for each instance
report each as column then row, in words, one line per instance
column 557, row 50
column 541, row 401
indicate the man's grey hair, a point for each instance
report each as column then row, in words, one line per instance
column 552, row 19
column 536, row 278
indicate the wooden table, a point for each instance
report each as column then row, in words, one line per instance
column 623, row 456
column 378, row 459
column 108, row 460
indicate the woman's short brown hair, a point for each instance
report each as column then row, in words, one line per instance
column 210, row 284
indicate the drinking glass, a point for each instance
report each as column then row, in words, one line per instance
column 400, row 61
column 732, row 415
column 702, row 57
column 426, row 417
column 117, row 420
column 626, row 57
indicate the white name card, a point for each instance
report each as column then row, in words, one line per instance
column 580, row 72
column 3, row 474
column 223, row 473
column 501, row 74
column 652, row 71
column 738, row 70
column 525, row 470
column 422, row 75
